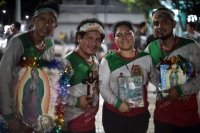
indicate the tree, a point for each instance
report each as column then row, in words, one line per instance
column 2, row 3
column 189, row 7
column 145, row 6
column 186, row 7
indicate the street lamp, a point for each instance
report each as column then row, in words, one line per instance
column 27, row 16
column 4, row 11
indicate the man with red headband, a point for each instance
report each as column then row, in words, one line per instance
column 179, row 110
column 32, row 44
column 82, row 102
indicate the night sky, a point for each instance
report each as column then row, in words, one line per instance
column 27, row 8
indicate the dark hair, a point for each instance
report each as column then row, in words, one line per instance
column 162, row 8
column 50, row 4
column 82, row 33
column 191, row 24
column 142, row 24
column 36, row 71
column 17, row 25
column 120, row 23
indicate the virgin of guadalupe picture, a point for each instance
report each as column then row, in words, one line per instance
column 36, row 95
column 171, row 77
column 33, row 93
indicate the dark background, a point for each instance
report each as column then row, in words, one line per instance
column 27, row 8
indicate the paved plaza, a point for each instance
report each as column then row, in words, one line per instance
column 151, row 97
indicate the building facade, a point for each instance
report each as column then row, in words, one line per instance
column 107, row 11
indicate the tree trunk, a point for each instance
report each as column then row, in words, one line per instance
column 181, row 23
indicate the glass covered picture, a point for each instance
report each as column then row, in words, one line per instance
column 130, row 89
column 171, row 77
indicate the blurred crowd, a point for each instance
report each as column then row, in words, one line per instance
column 144, row 35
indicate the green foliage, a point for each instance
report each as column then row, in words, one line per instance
column 184, row 6
column 129, row 3
column 188, row 7
column 145, row 6
column 2, row 3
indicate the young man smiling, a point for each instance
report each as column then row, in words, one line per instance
column 81, row 105
column 178, row 112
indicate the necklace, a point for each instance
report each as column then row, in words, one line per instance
column 40, row 47
column 136, row 51
column 169, row 50
column 128, row 68
column 90, row 62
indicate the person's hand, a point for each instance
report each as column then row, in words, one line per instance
column 85, row 102
column 15, row 126
column 173, row 95
column 124, row 107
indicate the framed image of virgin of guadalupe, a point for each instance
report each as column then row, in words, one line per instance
column 36, row 95
column 130, row 89
column 37, row 98
column 171, row 77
